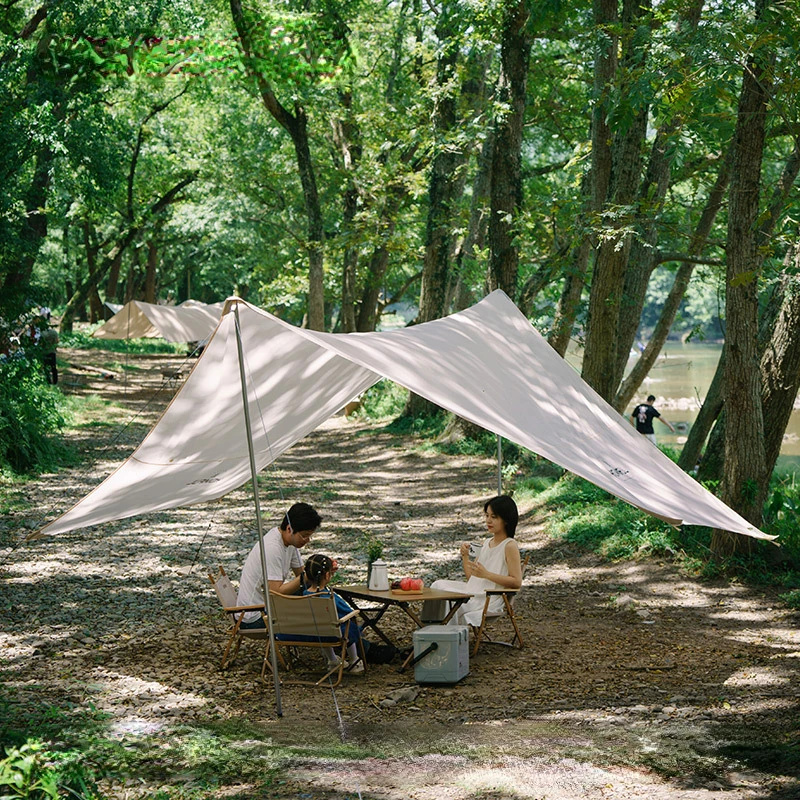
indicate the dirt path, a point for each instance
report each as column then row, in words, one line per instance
column 635, row 682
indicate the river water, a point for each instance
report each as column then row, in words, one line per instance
column 679, row 380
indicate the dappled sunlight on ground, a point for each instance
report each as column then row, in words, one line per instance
column 624, row 662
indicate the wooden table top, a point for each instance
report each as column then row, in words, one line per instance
column 365, row 593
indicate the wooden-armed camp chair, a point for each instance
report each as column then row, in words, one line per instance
column 482, row 631
column 227, row 597
column 311, row 621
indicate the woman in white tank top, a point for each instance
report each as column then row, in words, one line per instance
column 496, row 567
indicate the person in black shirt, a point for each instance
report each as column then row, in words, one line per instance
column 643, row 416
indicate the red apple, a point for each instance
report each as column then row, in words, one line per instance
column 405, row 584
column 418, row 584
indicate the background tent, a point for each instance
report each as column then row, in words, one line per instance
column 487, row 364
column 189, row 322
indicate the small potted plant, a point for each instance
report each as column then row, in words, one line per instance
column 374, row 550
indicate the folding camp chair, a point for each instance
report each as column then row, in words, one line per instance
column 300, row 621
column 488, row 617
column 227, row 597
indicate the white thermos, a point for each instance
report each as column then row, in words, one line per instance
column 379, row 577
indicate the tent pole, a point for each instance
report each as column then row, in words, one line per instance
column 259, row 525
column 499, row 464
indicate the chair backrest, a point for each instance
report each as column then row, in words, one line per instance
column 304, row 615
column 525, row 563
column 226, row 593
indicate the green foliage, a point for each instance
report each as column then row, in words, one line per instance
column 372, row 546
column 428, row 427
column 80, row 340
column 792, row 599
column 35, row 772
column 30, row 416
column 383, row 400
column 581, row 513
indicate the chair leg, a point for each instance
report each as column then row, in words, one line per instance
column 480, row 632
column 338, row 669
column 227, row 661
column 267, row 663
column 517, row 634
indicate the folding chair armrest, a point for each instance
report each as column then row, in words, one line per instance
column 235, row 609
column 501, row 591
column 349, row 616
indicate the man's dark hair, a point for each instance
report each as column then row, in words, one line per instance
column 302, row 517
column 651, row 398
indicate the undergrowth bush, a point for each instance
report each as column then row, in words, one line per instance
column 30, row 417
column 581, row 513
column 383, row 400
column 35, row 772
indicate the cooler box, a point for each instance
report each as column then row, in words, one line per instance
column 449, row 662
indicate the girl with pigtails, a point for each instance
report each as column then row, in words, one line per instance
column 318, row 571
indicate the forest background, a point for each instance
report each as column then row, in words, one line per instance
column 625, row 171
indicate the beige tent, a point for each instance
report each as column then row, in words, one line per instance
column 191, row 321
column 487, row 364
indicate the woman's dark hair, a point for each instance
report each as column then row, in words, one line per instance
column 506, row 509
column 302, row 517
column 316, row 566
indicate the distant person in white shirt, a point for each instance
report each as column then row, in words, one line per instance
column 643, row 416
column 282, row 558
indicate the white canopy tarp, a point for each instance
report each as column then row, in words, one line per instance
column 487, row 364
column 191, row 321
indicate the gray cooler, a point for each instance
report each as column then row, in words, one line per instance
column 448, row 661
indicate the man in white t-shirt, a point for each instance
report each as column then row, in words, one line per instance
column 282, row 558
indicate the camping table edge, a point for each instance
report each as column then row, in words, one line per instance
column 387, row 599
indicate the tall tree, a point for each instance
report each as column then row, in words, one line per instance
column 608, row 278
column 293, row 118
column 506, row 174
column 744, row 482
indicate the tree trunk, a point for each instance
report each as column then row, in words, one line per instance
column 151, row 273
column 445, row 186
column 575, row 275
column 296, row 125
column 744, row 481
column 347, row 137
column 34, row 230
column 316, row 231
column 466, row 258
column 95, row 304
column 644, row 363
column 113, row 280
column 604, row 13
column 506, row 177
column 780, row 364
column 16, row 271
column 642, row 260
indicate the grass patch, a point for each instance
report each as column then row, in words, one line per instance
column 81, row 340
column 70, row 750
column 792, row 599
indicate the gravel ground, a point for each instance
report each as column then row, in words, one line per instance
column 635, row 682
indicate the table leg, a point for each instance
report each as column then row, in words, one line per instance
column 456, row 604
column 372, row 622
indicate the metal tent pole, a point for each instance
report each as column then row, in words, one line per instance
column 254, row 476
column 499, row 464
